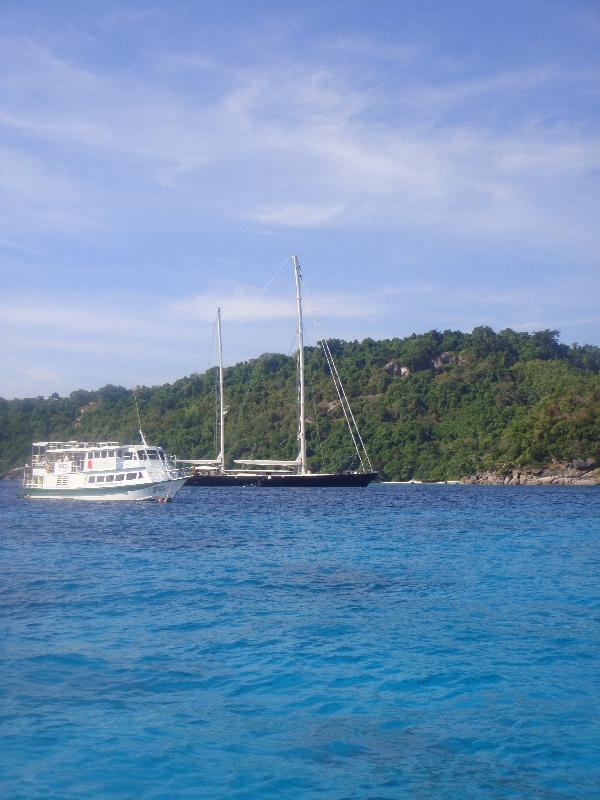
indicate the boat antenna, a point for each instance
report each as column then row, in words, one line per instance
column 137, row 408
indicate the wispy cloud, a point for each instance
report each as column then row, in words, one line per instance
column 249, row 143
column 75, row 317
column 248, row 303
column 368, row 47
column 299, row 145
column 297, row 216
column 36, row 195
column 39, row 375
column 497, row 87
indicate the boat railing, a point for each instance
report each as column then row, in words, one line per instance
column 59, row 465
column 72, row 444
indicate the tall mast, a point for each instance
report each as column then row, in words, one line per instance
column 221, row 456
column 301, row 423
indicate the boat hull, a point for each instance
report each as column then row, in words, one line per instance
column 156, row 490
column 278, row 481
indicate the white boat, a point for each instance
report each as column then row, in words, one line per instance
column 101, row 471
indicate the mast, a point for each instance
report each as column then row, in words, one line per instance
column 301, row 422
column 221, row 456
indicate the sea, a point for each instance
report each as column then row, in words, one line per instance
column 399, row 641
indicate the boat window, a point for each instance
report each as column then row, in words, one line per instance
column 152, row 454
column 110, row 478
column 127, row 457
column 141, row 455
column 92, row 479
column 120, row 477
column 105, row 454
column 131, row 476
column 96, row 453
column 140, row 474
column 100, row 479
column 119, row 454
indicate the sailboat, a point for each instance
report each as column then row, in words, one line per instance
column 277, row 473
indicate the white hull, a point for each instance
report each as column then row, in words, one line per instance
column 161, row 491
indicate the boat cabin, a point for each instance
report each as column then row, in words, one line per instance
column 75, row 456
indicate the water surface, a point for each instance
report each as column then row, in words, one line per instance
column 390, row 642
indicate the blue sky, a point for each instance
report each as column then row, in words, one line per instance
column 433, row 164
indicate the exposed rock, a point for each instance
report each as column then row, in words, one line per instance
column 584, row 463
column 444, row 360
column 395, row 368
column 558, row 474
column 84, row 410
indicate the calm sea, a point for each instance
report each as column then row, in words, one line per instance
column 393, row 642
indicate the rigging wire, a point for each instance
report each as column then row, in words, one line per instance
column 257, row 297
column 292, row 346
column 210, row 355
column 343, row 398
column 357, row 439
column 314, row 402
column 272, row 278
column 360, row 439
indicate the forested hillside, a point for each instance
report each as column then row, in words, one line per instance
column 436, row 406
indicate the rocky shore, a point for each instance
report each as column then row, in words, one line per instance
column 581, row 472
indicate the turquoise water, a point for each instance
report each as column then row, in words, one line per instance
column 398, row 641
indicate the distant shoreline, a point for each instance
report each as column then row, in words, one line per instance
column 581, row 472
column 578, row 473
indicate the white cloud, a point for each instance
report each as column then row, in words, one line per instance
column 40, row 375
column 77, row 317
column 297, row 216
column 497, row 87
column 248, row 303
column 33, row 194
column 299, row 145
column 391, row 140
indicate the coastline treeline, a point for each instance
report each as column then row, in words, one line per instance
column 435, row 406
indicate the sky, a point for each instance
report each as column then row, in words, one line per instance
column 432, row 164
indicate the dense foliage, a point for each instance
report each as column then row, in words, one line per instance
column 435, row 406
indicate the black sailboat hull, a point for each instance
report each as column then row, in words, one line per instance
column 278, row 480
